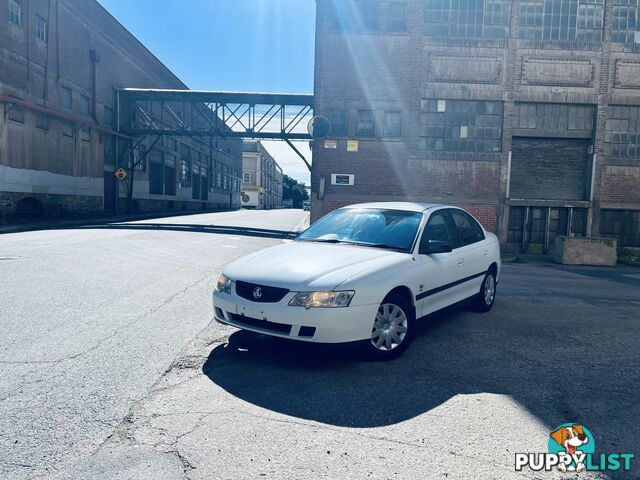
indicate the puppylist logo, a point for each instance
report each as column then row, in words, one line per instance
column 572, row 449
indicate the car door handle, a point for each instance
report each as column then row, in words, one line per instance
column 461, row 262
column 485, row 253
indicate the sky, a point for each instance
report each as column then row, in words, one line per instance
column 231, row 45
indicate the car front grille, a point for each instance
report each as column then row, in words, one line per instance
column 268, row 294
column 260, row 324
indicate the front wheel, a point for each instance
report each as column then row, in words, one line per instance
column 392, row 329
column 485, row 299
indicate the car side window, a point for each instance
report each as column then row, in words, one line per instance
column 439, row 229
column 469, row 231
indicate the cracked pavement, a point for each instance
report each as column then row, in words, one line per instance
column 140, row 384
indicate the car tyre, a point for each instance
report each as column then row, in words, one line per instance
column 392, row 330
column 486, row 298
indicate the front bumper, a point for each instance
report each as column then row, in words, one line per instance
column 318, row 325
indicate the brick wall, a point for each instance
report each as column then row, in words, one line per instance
column 381, row 71
column 77, row 27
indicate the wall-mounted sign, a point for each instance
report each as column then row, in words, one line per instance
column 352, row 145
column 343, row 179
column 121, row 174
column 331, row 144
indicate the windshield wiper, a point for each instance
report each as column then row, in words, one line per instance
column 381, row 245
column 323, row 240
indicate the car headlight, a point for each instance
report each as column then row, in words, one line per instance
column 322, row 299
column 224, row 284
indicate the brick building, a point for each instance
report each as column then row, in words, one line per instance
column 60, row 63
column 526, row 112
column 261, row 178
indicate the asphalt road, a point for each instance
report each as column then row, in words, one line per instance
column 90, row 319
column 111, row 369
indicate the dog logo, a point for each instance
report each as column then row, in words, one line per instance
column 571, row 448
column 257, row 293
column 574, row 441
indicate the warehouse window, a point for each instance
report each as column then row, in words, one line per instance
column 622, row 136
column 461, row 126
column 66, row 97
column 16, row 113
column 624, row 25
column 623, row 225
column 85, row 106
column 42, row 121
column 109, row 150
column 246, row 177
column 365, row 123
column 140, row 158
column 68, row 129
column 468, row 18
column 41, row 29
column 392, row 124
column 554, row 117
column 356, row 16
column 15, row 12
column 397, row 17
column 109, row 118
column 185, row 166
column 339, row 123
column 170, row 175
column 85, row 134
column 156, row 172
column 570, row 20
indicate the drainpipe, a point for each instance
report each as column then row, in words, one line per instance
column 45, row 94
column 95, row 59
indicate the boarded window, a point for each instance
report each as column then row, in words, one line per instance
column 621, row 224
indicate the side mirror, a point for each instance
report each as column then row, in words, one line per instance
column 435, row 246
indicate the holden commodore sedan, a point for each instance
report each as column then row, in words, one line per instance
column 364, row 273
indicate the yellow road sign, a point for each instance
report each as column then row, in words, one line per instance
column 121, row 174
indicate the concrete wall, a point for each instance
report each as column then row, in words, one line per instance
column 586, row 251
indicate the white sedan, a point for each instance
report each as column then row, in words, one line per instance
column 363, row 273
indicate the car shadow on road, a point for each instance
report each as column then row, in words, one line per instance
column 195, row 228
column 456, row 352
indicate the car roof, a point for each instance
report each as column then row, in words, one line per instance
column 406, row 206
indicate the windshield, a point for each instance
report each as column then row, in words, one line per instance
column 392, row 229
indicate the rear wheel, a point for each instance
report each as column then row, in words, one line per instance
column 484, row 300
column 392, row 329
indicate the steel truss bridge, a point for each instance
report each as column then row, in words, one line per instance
column 192, row 113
